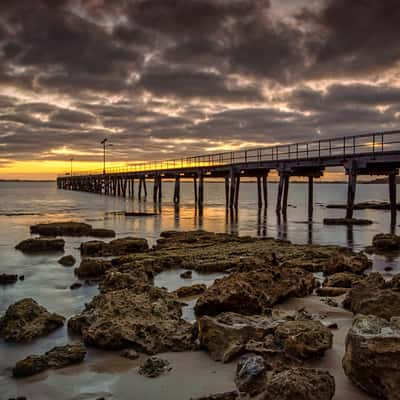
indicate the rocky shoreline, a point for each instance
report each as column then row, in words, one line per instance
column 238, row 318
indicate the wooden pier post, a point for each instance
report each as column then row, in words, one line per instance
column 237, row 186
column 232, row 189
column 285, row 194
column 280, row 191
column 177, row 189
column 125, row 181
column 259, row 193
column 195, row 190
column 227, row 191
column 140, row 188
column 310, row 197
column 351, row 192
column 265, row 190
column 159, row 188
column 392, row 196
column 144, row 187
column 201, row 190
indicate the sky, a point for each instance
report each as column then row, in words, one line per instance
column 171, row 78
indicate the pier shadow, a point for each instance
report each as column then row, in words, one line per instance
column 262, row 214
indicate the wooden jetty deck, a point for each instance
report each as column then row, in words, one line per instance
column 367, row 154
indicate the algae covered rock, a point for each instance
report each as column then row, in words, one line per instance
column 372, row 358
column 300, row 384
column 26, row 320
column 386, row 242
column 57, row 357
column 38, row 245
column 304, row 339
column 92, row 267
column 188, row 291
column 117, row 247
column 67, row 261
column 254, row 292
column 148, row 322
column 68, row 228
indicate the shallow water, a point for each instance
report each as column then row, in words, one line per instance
column 23, row 204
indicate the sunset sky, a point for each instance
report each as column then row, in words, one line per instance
column 166, row 78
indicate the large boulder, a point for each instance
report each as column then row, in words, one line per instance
column 342, row 280
column 254, row 292
column 386, row 242
column 138, row 280
column 300, row 384
column 347, row 262
column 92, row 268
column 304, row 339
column 373, row 296
column 57, row 357
column 148, row 322
column 227, row 335
column 372, row 358
column 26, row 320
column 117, row 247
column 38, row 245
column 102, row 233
column 69, row 228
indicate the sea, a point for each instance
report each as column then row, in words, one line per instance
column 25, row 203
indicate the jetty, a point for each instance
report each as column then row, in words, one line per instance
column 365, row 154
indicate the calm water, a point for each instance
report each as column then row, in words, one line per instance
column 23, row 204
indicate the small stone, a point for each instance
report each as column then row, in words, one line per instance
column 67, row 261
column 330, row 302
column 130, row 354
column 8, row 279
column 388, row 268
column 188, row 291
column 154, row 367
column 21, row 277
column 186, row 275
column 251, row 375
column 75, row 285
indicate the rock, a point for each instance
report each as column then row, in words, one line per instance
column 138, row 280
column 232, row 395
column 372, row 358
column 388, row 268
column 386, row 242
column 75, row 285
column 254, row 292
column 186, row 275
column 327, row 291
column 130, row 354
column 26, row 320
column 92, row 268
column 365, row 205
column 148, row 322
column 341, row 262
column 117, row 247
column 57, row 357
column 330, row 302
column 102, row 233
column 40, row 245
column 188, row 291
column 251, row 375
column 394, row 284
column 300, row 384
column 139, row 214
column 373, row 296
column 154, row 367
column 7, row 279
column 342, row 280
column 21, row 278
column 304, row 339
column 62, row 229
column 346, row 221
column 67, row 261
column 226, row 335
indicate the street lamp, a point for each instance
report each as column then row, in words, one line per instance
column 71, row 165
column 104, row 142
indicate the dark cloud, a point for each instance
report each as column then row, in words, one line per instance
column 166, row 77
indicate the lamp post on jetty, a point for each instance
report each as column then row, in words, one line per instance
column 104, row 143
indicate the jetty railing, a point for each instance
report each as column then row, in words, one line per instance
column 346, row 146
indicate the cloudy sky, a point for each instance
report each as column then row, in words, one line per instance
column 166, row 78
